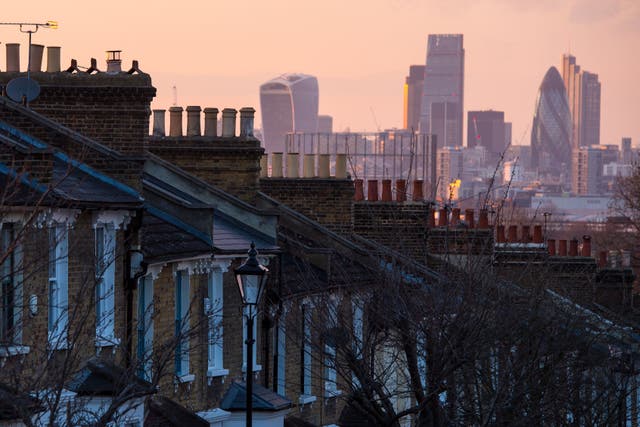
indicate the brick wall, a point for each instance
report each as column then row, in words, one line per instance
column 231, row 164
column 327, row 201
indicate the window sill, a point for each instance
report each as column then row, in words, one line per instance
column 186, row 378
column 256, row 368
column 60, row 344
column 328, row 394
column 107, row 342
column 212, row 372
column 13, row 350
column 306, row 398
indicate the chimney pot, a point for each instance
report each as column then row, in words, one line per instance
column 386, row 190
column 573, row 247
column 293, row 165
column 469, row 218
column 513, row 233
column 309, row 166
column 586, row 245
column 246, row 122
column 455, row 216
column 175, row 121
column 229, row 122
column 276, row 165
column 562, row 247
column 114, row 63
column 372, row 190
column 193, row 120
column 264, row 165
column 500, row 237
column 551, row 243
column 418, row 194
column 341, row 166
column 432, row 218
column 359, row 190
column 13, row 57
column 483, row 219
column 526, row 238
column 442, row 218
column 602, row 261
column 401, row 190
column 537, row 234
column 53, row 59
column 323, row 166
column 36, row 57
column 211, row 123
column 158, row 122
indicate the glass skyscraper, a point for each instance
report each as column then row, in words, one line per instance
column 443, row 94
column 288, row 103
column 551, row 130
column 583, row 91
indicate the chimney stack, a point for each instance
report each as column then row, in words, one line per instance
column 211, row 122
column 586, row 245
column 175, row 121
column 53, row 59
column 229, row 122
column 359, row 190
column 417, row 190
column 158, row 123
column 36, row 58
column 372, row 189
column 193, row 120
column 13, row 57
column 386, row 190
column 114, row 63
column 246, row 122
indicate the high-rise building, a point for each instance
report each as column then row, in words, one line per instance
column 551, row 129
column 586, row 170
column 413, row 87
column 627, row 152
column 441, row 112
column 507, row 133
column 487, row 129
column 583, row 93
column 449, row 167
column 325, row 124
column 289, row 103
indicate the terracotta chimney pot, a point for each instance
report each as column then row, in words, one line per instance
column 469, row 218
column 483, row 219
column 372, row 190
column 401, row 190
column 359, row 190
column 551, row 243
column 386, row 190
column 562, row 247
column 537, row 234
column 418, row 195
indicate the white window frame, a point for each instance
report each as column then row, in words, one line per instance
column 214, row 312
column 182, row 320
column 307, row 364
column 330, row 373
column 58, row 286
column 11, row 270
column 145, row 327
column 105, row 251
column 280, row 345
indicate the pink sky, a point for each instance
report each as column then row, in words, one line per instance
column 217, row 53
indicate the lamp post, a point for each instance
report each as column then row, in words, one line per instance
column 251, row 277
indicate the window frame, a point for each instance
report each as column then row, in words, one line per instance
column 182, row 323
column 145, row 327
column 215, row 333
column 105, row 255
column 58, row 286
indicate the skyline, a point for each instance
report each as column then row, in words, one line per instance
column 218, row 54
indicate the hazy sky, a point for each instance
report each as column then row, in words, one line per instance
column 217, row 53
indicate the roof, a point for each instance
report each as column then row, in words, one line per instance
column 102, row 378
column 15, row 405
column 173, row 414
column 231, row 236
column 263, row 398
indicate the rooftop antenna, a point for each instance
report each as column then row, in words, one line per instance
column 21, row 89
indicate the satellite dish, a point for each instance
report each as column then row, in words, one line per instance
column 22, row 87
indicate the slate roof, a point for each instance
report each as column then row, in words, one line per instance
column 103, row 378
column 230, row 236
column 235, row 398
column 14, row 405
column 162, row 409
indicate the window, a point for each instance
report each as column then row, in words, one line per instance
column 145, row 327
column 213, row 311
column 182, row 324
column 105, row 285
column 58, row 286
column 10, row 286
column 330, row 375
column 306, row 350
column 280, row 347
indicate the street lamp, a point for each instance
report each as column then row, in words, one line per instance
column 251, row 278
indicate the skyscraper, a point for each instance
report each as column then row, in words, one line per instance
column 289, row 103
column 413, row 87
column 443, row 95
column 551, row 129
column 487, row 129
column 586, row 168
column 583, row 92
column 325, row 124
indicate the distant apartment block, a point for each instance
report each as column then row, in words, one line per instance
column 583, row 92
column 443, row 94
column 412, row 97
column 586, row 171
column 288, row 103
column 449, row 168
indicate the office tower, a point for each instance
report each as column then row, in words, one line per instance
column 586, row 170
column 449, row 168
column 289, row 103
column 551, row 129
column 413, row 87
column 325, row 124
column 487, row 129
column 627, row 153
column 583, row 93
column 507, row 133
column 441, row 113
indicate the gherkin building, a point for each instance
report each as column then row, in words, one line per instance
column 551, row 130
